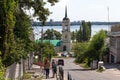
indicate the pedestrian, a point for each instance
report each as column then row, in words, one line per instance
column 47, row 68
column 54, row 68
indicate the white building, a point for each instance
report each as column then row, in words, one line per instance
column 66, row 34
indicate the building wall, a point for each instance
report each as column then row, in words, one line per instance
column 114, row 44
column 118, row 49
column 114, row 49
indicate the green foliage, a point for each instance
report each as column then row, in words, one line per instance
column 23, row 31
column 1, row 70
column 94, row 50
column 46, row 49
column 7, row 17
column 73, row 36
column 101, row 69
column 79, row 50
column 51, row 34
column 84, row 33
column 27, row 76
column 38, row 7
column 15, row 27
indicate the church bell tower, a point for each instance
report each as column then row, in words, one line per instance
column 66, row 34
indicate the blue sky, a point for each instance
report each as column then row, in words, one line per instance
column 89, row 10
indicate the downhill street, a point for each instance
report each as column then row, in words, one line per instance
column 78, row 73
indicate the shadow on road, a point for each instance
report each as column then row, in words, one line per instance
column 112, row 66
column 77, row 69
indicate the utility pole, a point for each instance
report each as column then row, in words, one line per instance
column 108, row 19
column 41, row 44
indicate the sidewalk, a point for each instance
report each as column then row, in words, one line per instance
column 40, row 72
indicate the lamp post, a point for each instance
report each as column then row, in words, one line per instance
column 41, row 46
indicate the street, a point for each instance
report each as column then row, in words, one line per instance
column 78, row 73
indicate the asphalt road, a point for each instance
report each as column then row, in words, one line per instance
column 78, row 73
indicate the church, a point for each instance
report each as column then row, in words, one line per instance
column 65, row 43
column 66, row 34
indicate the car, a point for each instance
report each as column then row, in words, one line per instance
column 60, row 62
column 64, row 54
column 71, row 54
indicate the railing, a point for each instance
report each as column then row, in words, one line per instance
column 69, row 77
column 60, row 73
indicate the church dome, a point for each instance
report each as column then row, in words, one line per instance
column 65, row 18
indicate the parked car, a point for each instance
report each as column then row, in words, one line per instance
column 64, row 54
column 60, row 62
column 71, row 54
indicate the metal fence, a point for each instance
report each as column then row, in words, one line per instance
column 60, row 73
column 69, row 77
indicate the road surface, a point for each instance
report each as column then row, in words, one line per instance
column 78, row 73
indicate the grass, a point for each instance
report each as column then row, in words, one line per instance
column 27, row 76
column 84, row 65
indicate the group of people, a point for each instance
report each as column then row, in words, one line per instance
column 47, row 67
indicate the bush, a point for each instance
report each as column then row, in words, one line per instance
column 101, row 69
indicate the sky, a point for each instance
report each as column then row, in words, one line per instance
column 88, row 10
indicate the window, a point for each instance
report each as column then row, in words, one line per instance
column 66, row 28
column 65, row 36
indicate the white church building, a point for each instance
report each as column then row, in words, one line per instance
column 65, row 43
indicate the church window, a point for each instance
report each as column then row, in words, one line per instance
column 66, row 28
column 65, row 36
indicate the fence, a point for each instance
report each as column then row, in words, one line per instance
column 69, row 76
column 60, row 73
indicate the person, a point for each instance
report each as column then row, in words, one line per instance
column 47, row 68
column 54, row 68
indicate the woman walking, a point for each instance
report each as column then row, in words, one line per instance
column 47, row 68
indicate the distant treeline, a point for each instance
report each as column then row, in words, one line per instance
column 59, row 23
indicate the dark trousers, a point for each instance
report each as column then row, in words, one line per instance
column 47, row 73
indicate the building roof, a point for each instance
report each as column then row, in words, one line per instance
column 56, row 43
column 114, row 34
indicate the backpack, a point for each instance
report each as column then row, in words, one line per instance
column 54, row 66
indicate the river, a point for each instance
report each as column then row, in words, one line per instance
column 95, row 29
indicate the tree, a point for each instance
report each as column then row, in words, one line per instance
column 7, row 22
column 84, row 33
column 86, row 52
column 44, row 50
column 96, row 47
column 38, row 7
column 79, row 50
column 73, row 35
column 52, row 34
column 9, row 37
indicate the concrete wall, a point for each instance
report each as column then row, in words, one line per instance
column 15, row 71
